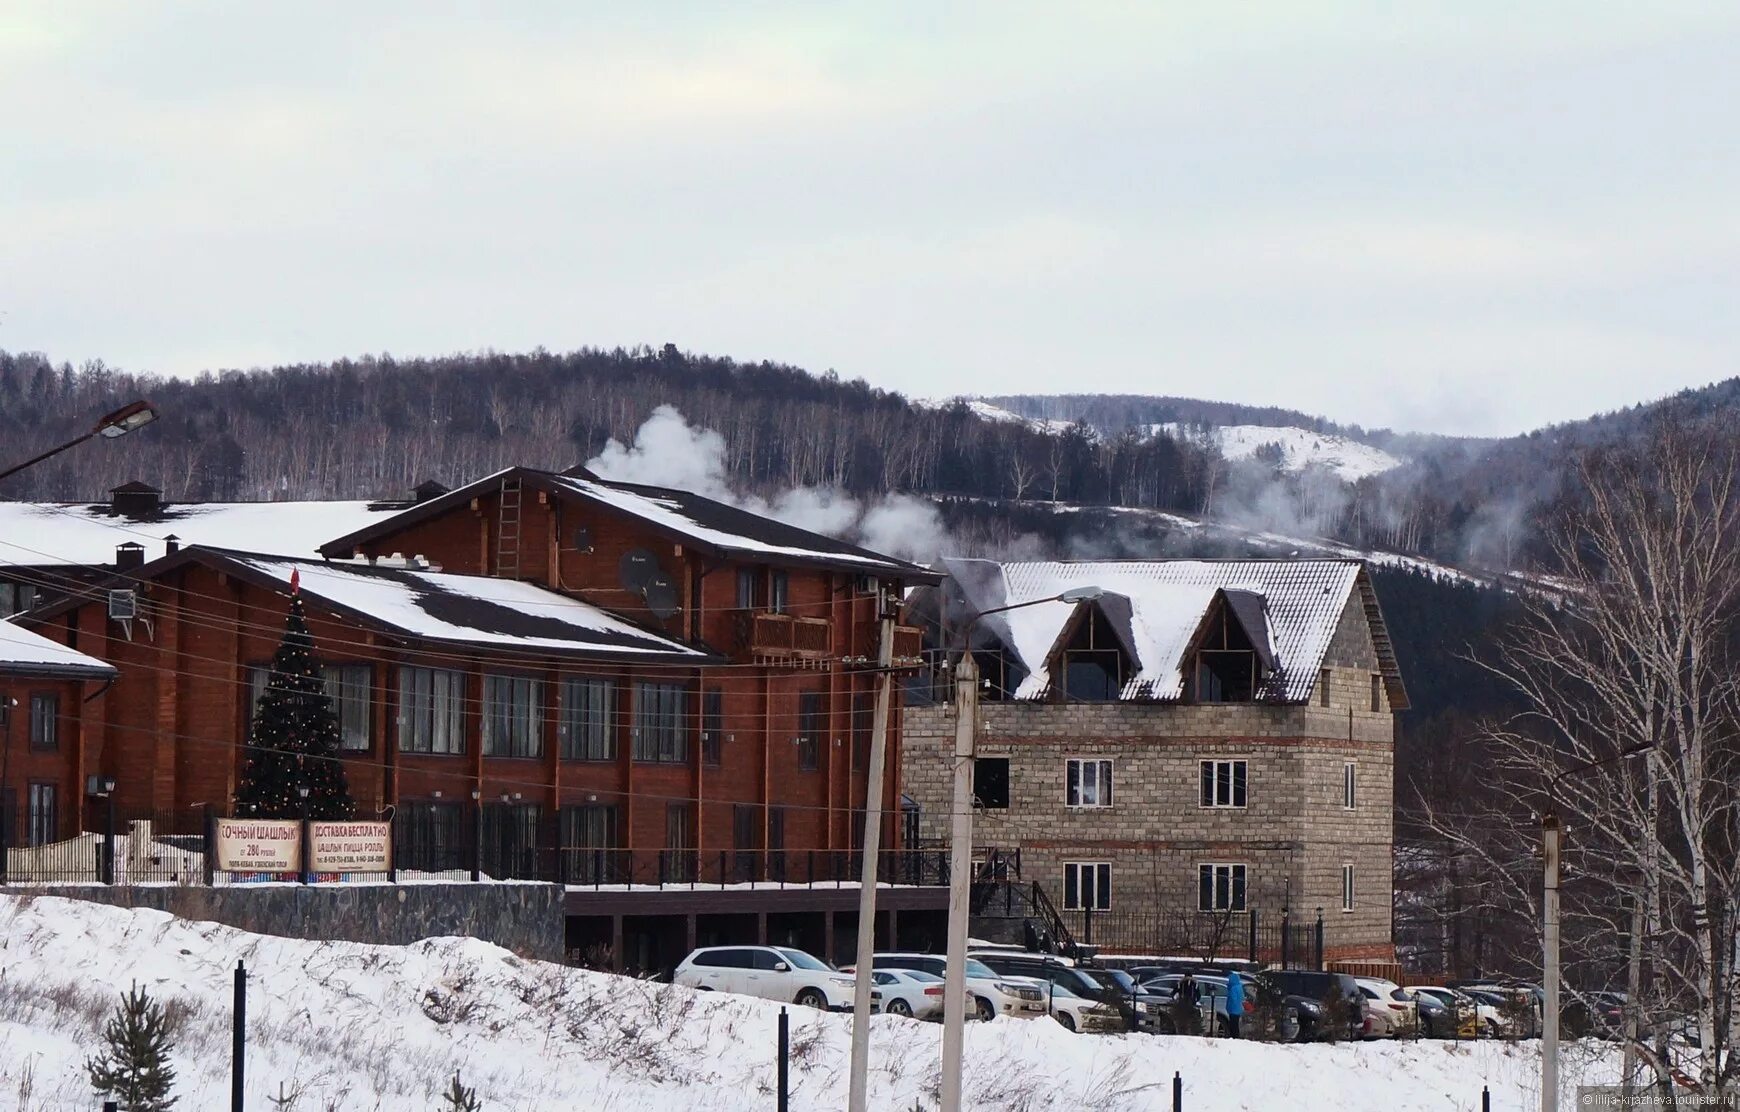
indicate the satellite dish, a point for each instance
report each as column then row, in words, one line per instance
column 661, row 597
column 637, row 568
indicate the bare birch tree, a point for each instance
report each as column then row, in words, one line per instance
column 1633, row 647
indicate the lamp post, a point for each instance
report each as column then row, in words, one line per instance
column 133, row 415
column 961, row 842
column 103, row 787
column 1552, row 845
column 306, row 847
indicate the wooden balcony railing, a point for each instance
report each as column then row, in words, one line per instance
column 788, row 635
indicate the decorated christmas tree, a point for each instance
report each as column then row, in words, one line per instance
column 294, row 740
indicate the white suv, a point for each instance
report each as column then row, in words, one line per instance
column 770, row 972
column 989, row 994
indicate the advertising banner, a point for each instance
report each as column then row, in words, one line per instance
column 351, row 847
column 258, row 845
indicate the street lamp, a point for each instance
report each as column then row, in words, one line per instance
column 961, row 841
column 1552, row 840
column 307, row 843
column 133, row 415
column 103, row 787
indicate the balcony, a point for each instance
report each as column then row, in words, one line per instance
column 787, row 637
column 908, row 642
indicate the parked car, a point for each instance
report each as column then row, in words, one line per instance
column 992, row 995
column 1471, row 1015
column 1501, row 1016
column 1044, row 968
column 1606, row 1014
column 1391, row 1010
column 909, row 992
column 1435, row 1020
column 1327, row 990
column 770, row 972
column 1078, row 1013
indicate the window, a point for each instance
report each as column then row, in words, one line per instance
column 1349, row 785
column 748, row 588
column 1323, row 687
column 779, row 592
column 349, row 686
column 1227, row 666
column 712, row 725
column 1093, row 675
column 679, row 842
column 1377, row 693
column 776, row 843
column 510, row 840
column 1087, row 885
column 810, row 727
column 45, row 721
column 15, row 598
column 430, row 837
column 1347, row 888
column 513, row 716
column 1220, row 887
column 431, row 710
column 588, row 725
column 44, row 815
column 1088, row 783
column 863, row 722
column 590, row 837
column 991, row 782
column 1223, row 783
column 660, row 709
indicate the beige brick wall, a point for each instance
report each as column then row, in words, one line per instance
column 1294, row 835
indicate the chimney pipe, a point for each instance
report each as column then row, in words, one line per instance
column 129, row 555
column 171, row 545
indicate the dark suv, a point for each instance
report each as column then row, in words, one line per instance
column 1333, row 991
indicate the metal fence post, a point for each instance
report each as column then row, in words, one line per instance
column 109, row 837
column 1319, row 939
column 1286, row 939
column 1177, row 1092
column 210, row 855
column 784, row 1065
column 239, row 1046
column 1251, row 943
column 1485, row 1099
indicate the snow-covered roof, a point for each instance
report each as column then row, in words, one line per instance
column 44, row 534
column 23, row 653
column 469, row 609
column 696, row 520
column 1290, row 608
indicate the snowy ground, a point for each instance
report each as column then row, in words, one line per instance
column 1351, row 459
column 383, row 1027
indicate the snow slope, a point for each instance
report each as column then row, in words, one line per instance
column 1300, row 448
column 382, row 1028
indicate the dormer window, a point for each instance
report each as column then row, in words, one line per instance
column 1228, row 666
column 1093, row 665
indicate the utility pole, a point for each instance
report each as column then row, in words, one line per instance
column 960, row 878
column 1550, row 845
column 872, row 843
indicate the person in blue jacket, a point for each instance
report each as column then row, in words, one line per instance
column 1235, row 1003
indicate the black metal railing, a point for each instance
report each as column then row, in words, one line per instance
column 163, row 848
column 1283, row 939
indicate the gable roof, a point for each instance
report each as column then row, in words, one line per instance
column 86, row 534
column 27, row 654
column 696, row 521
column 498, row 615
column 1289, row 608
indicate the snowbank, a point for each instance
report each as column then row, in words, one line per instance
column 384, row 1027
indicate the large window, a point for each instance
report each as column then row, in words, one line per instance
column 1093, row 675
column 44, row 814
column 679, row 842
column 430, row 837
column 513, row 716
column 591, row 835
column 1220, row 887
column 44, row 721
column 661, row 713
column 431, row 710
column 811, row 726
column 1223, row 783
column 351, row 689
column 748, row 588
column 712, row 726
column 510, row 840
column 1087, row 782
column 588, row 727
column 1087, row 885
column 779, row 591
column 991, row 783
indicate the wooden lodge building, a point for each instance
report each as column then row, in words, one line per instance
column 657, row 699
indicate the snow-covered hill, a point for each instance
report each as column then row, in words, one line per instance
column 1300, row 448
column 383, row 1028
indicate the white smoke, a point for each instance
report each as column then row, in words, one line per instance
column 668, row 451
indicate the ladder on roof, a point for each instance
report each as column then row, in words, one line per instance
column 507, row 534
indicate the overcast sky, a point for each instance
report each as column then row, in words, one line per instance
column 1466, row 219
